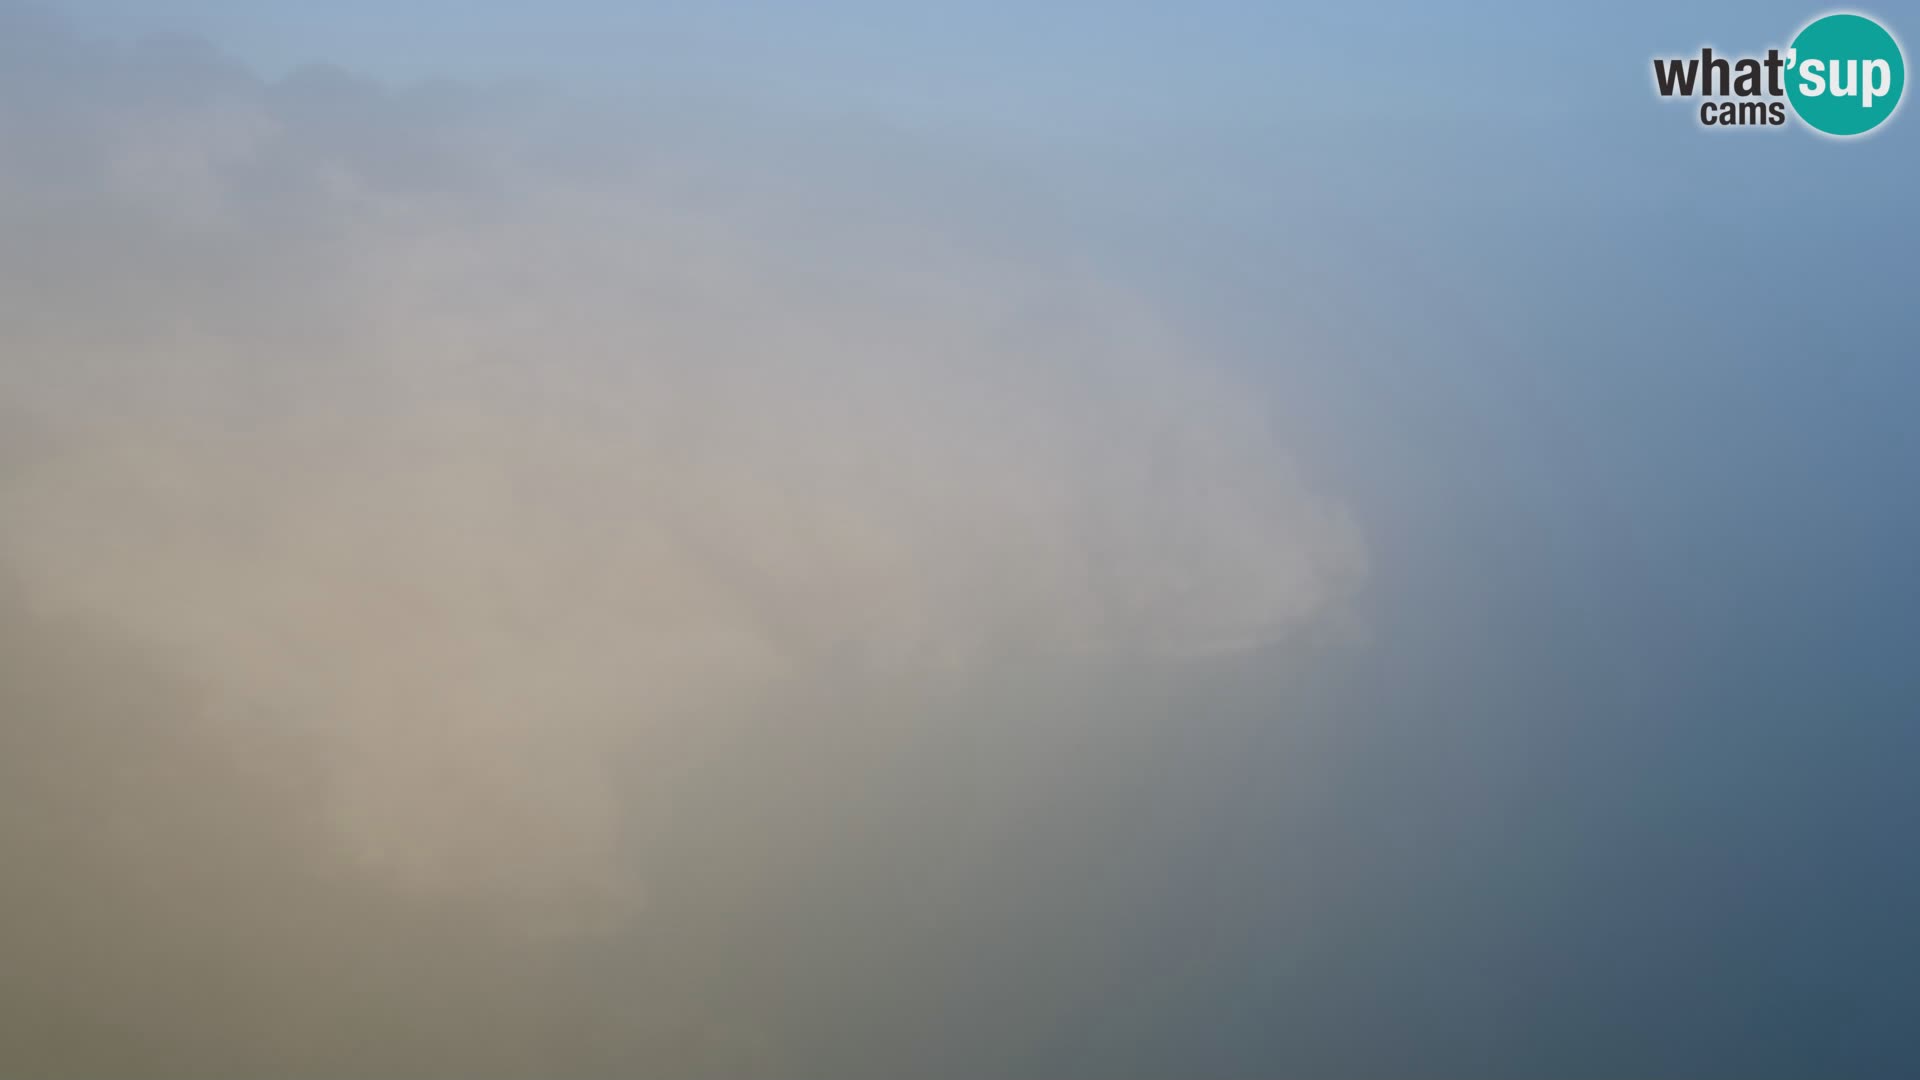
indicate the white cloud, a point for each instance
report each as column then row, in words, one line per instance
column 486, row 471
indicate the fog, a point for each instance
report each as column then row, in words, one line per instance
column 486, row 595
column 879, row 540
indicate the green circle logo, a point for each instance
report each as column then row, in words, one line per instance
column 1845, row 74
